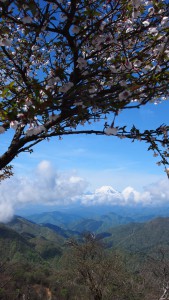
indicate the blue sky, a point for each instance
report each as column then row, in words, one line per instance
column 91, row 155
column 62, row 172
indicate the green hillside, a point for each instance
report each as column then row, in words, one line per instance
column 15, row 247
column 61, row 219
column 38, row 258
column 88, row 225
column 24, row 273
column 44, row 240
column 140, row 237
column 65, row 233
column 48, row 239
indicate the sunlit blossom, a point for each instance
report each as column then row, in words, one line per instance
column 5, row 42
column 14, row 124
column 66, row 87
column 111, row 131
column 124, row 95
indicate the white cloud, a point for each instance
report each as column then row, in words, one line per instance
column 154, row 194
column 131, row 196
column 6, row 212
column 159, row 191
column 103, row 195
column 44, row 185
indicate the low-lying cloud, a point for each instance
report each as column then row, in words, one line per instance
column 47, row 186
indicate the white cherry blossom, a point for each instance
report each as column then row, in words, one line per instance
column 111, row 131
column 124, row 95
column 79, row 63
column 14, row 124
column 5, row 42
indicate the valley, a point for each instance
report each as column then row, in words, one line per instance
column 48, row 250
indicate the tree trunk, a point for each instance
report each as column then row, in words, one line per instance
column 98, row 295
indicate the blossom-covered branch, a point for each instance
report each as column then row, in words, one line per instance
column 66, row 63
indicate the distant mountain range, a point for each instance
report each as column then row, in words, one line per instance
column 35, row 255
column 98, row 219
column 80, row 223
column 47, row 240
column 43, row 236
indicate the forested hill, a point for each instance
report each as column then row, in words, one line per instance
column 14, row 246
column 140, row 237
column 40, row 259
column 134, row 237
column 44, row 240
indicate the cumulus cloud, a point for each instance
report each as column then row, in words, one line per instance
column 6, row 212
column 159, row 191
column 131, row 196
column 155, row 194
column 45, row 186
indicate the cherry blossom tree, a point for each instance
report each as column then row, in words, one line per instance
column 64, row 64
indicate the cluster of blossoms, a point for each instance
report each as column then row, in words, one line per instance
column 65, row 63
